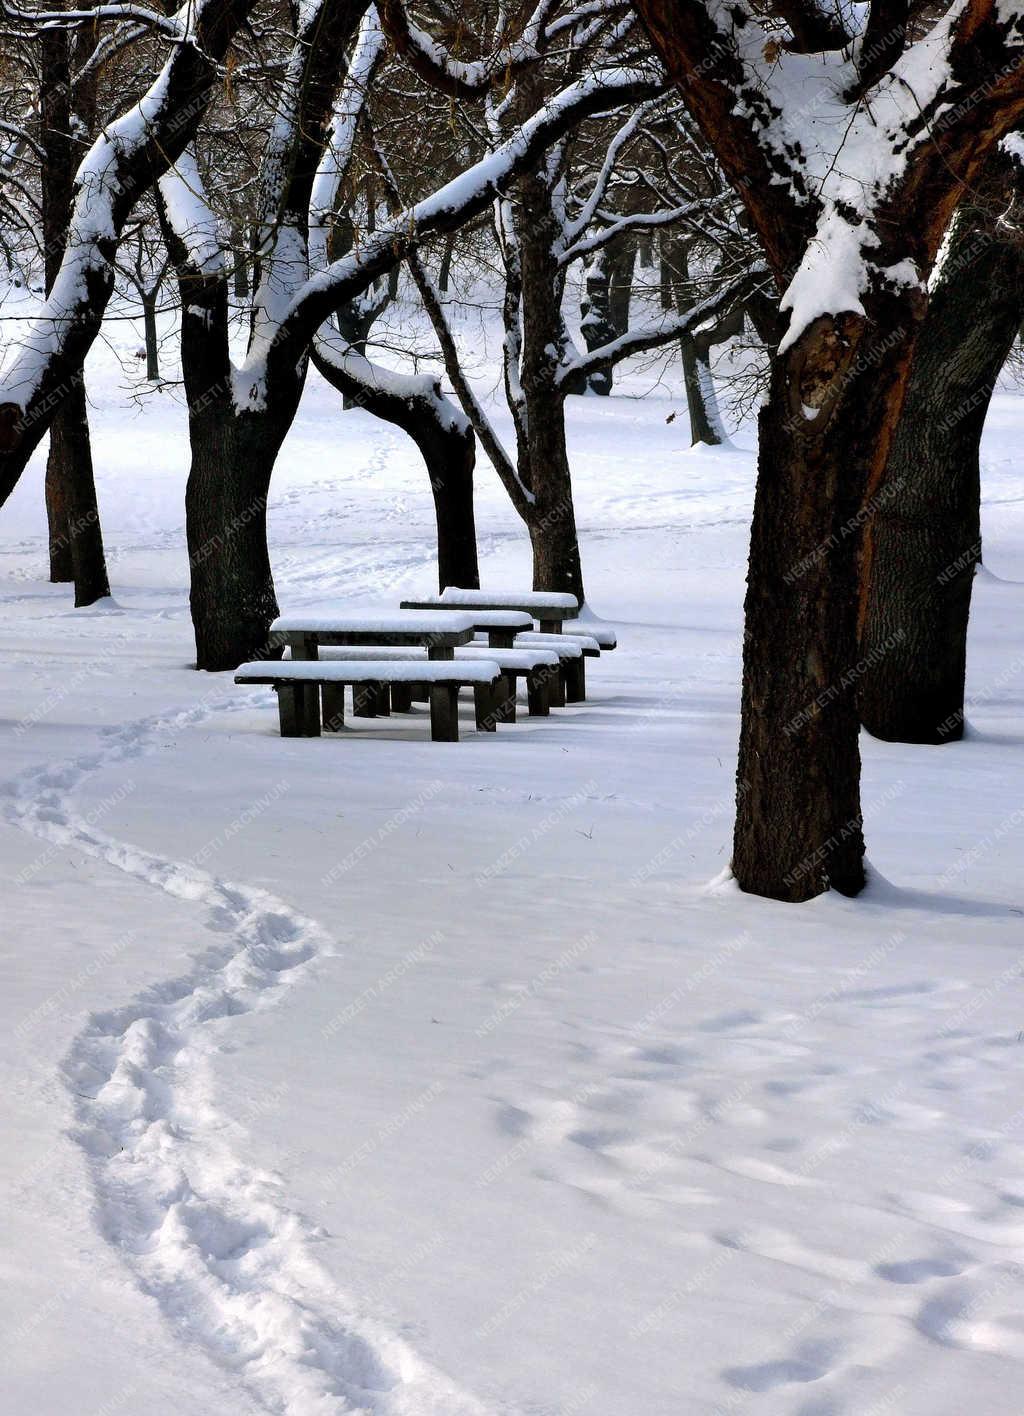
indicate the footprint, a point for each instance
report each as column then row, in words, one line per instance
column 810, row 1362
column 920, row 1270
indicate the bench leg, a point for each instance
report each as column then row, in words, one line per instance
column 418, row 693
column 483, row 701
column 556, row 692
column 576, row 680
column 298, row 706
column 505, row 691
column 537, row 694
column 444, row 712
column 401, row 697
column 332, row 697
column 364, row 700
column 382, row 695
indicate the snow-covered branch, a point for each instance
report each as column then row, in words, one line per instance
column 122, row 163
column 637, row 341
column 457, row 202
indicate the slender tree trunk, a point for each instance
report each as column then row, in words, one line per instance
column 149, row 300
column 72, row 512
column 551, row 518
column 926, row 528
column 444, row 274
column 81, row 541
column 799, row 825
column 701, row 399
column 596, row 323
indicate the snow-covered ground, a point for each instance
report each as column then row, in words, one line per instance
column 371, row 1074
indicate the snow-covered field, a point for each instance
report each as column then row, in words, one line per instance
column 427, row 1079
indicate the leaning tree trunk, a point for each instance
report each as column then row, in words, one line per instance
column 448, row 449
column 75, row 534
column 926, row 528
column 824, row 436
column 71, row 500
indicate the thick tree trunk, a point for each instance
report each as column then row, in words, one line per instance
column 232, row 596
column 926, row 529
column 451, row 481
column 799, row 826
column 72, row 512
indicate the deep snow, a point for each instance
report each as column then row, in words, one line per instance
column 376, row 1074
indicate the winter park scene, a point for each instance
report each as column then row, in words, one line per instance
column 512, row 708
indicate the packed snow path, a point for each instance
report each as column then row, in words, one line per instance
column 213, row 1240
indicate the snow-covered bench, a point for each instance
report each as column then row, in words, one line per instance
column 299, row 681
column 537, row 665
column 605, row 635
column 569, row 684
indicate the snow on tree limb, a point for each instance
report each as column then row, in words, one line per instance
column 446, row 209
column 123, row 162
column 456, row 77
column 637, row 341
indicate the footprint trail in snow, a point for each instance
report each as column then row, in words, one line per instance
column 210, row 1238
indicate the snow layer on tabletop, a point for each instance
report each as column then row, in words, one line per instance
column 511, row 599
column 384, row 622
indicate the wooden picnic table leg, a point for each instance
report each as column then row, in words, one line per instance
column 332, row 697
column 501, row 638
column 505, row 691
column 382, row 700
column 444, row 712
column 576, row 680
column 557, row 686
column 364, row 700
column 486, row 708
column 550, row 626
column 296, row 717
column 401, row 697
column 537, row 681
column 307, row 648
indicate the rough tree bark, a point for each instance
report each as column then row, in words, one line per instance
column 926, row 527
column 543, row 455
column 834, row 403
column 75, row 533
column 232, row 595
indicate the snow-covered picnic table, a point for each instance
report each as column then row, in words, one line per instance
column 500, row 626
column 439, row 633
column 548, row 607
